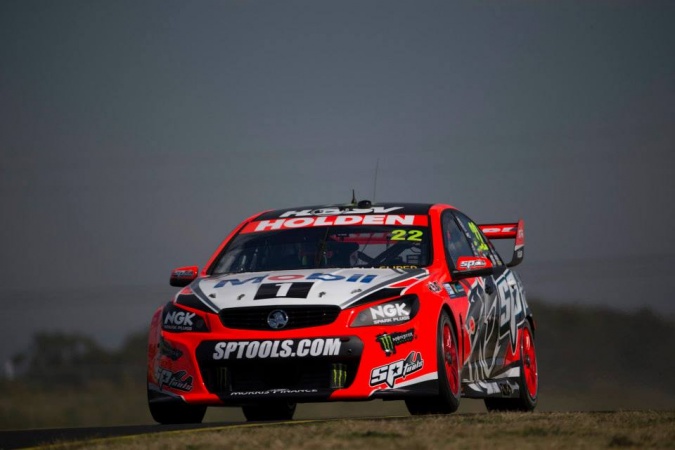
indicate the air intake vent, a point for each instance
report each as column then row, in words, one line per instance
column 255, row 318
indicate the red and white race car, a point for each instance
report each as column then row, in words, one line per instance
column 351, row 302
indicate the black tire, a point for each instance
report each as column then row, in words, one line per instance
column 528, row 382
column 175, row 412
column 279, row 410
column 447, row 400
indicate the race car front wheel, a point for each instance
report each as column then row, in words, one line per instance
column 279, row 410
column 529, row 378
column 174, row 412
column 447, row 400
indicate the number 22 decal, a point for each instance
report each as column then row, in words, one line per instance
column 406, row 235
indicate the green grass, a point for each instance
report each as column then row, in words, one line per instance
column 123, row 403
column 584, row 430
column 106, row 403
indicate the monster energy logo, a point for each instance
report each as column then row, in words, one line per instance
column 388, row 342
column 338, row 378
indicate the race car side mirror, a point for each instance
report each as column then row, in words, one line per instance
column 472, row 266
column 460, row 275
column 183, row 276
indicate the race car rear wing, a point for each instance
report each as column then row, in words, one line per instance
column 508, row 231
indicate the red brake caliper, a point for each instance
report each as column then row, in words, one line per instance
column 451, row 360
column 529, row 363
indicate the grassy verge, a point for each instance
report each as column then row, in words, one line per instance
column 623, row 429
column 105, row 403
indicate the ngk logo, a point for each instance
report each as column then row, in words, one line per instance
column 179, row 318
column 390, row 311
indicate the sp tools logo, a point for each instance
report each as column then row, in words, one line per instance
column 390, row 373
column 180, row 380
column 388, row 342
column 469, row 264
column 289, row 348
column 184, row 273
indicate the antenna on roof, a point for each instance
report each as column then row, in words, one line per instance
column 377, row 163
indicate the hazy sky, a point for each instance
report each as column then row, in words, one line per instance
column 135, row 134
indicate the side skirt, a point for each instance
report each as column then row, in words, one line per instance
column 505, row 385
column 426, row 388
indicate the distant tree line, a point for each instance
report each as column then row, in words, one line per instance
column 581, row 347
column 58, row 358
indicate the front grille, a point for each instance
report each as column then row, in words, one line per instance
column 228, row 371
column 247, row 377
column 255, row 318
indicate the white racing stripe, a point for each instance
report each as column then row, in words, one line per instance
column 340, row 287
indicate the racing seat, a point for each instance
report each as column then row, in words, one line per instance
column 342, row 253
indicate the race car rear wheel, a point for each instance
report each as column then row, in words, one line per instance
column 174, row 412
column 448, row 397
column 279, row 410
column 528, row 382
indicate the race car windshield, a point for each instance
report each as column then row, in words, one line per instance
column 327, row 247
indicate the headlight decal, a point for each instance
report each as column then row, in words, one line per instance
column 380, row 294
column 394, row 312
column 179, row 320
column 193, row 297
column 405, row 280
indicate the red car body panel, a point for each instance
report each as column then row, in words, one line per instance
column 194, row 357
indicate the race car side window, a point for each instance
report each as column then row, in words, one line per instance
column 475, row 236
column 496, row 259
column 479, row 243
column 454, row 238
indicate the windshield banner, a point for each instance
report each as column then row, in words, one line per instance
column 323, row 221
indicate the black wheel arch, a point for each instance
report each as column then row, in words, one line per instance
column 533, row 327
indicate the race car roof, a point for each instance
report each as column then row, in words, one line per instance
column 361, row 208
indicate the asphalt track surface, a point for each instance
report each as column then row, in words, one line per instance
column 35, row 438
